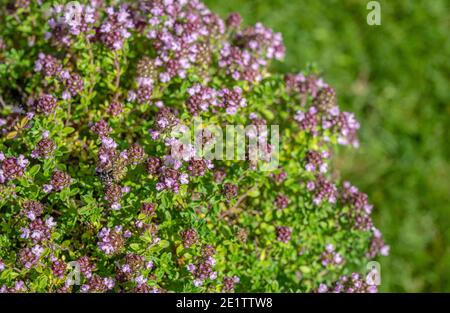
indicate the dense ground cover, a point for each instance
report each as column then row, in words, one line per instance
column 103, row 188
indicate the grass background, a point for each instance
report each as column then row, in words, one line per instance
column 395, row 77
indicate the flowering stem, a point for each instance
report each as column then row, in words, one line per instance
column 2, row 102
column 118, row 75
column 69, row 104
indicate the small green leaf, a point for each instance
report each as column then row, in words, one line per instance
column 34, row 170
column 68, row 130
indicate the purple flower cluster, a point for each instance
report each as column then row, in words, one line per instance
column 358, row 202
column 59, row 268
column 111, row 165
column 325, row 98
column 115, row 108
column 86, row 266
column 165, row 120
column 135, row 155
column 179, row 31
column 281, row 201
column 111, row 240
column 30, row 257
column 144, row 288
column 71, row 21
column 12, row 167
column 230, row 191
column 201, row 98
column 219, row 175
column 73, row 83
column 331, row 257
column 113, row 194
column 170, row 179
column 180, row 151
column 146, row 70
column 107, row 151
column 360, row 215
column 308, row 121
column 144, row 92
column 44, row 148
column 345, row 125
column 323, row 190
column 48, row 65
column 279, row 176
column 208, row 250
column 148, row 208
column 59, row 181
column 316, row 161
column 98, row 284
column 247, row 55
column 231, row 100
column 263, row 42
column 32, row 209
column 46, row 104
column 323, row 111
column 38, row 230
column 305, row 85
column 229, row 283
column 19, row 287
column 234, row 20
column 353, row 284
column 131, row 268
column 204, row 267
column 199, row 167
column 377, row 246
column 189, row 237
column 153, row 165
column 102, row 128
column 283, row 233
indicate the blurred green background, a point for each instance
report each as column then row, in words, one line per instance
column 395, row 77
